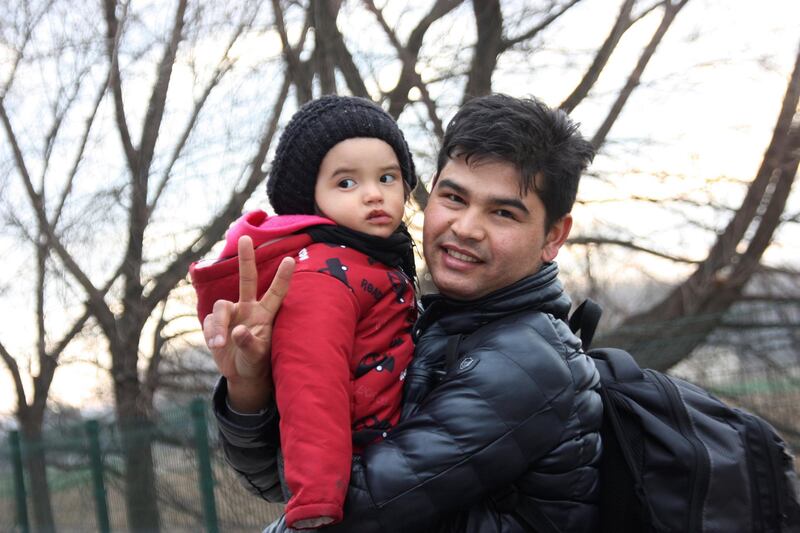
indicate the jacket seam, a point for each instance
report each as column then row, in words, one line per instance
column 423, row 484
column 349, row 289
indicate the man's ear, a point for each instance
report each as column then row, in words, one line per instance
column 556, row 237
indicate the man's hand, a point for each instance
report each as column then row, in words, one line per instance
column 239, row 334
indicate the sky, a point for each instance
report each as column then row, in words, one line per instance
column 712, row 96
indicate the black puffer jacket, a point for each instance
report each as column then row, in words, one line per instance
column 518, row 407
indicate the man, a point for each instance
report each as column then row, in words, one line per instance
column 500, row 427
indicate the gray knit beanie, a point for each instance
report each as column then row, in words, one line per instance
column 316, row 128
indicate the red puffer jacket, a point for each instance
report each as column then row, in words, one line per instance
column 340, row 347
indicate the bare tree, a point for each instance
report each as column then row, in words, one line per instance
column 136, row 137
column 123, row 302
column 734, row 258
column 46, row 352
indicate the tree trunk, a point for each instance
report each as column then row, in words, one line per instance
column 324, row 16
column 140, row 483
column 136, row 433
column 489, row 22
column 34, row 460
column 670, row 330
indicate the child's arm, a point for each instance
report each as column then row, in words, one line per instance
column 239, row 334
column 312, row 347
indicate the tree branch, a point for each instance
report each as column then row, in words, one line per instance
column 99, row 307
column 21, row 49
column 719, row 280
column 151, row 380
column 113, row 38
column 347, row 66
column 78, row 158
column 586, row 241
column 223, row 67
column 323, row 16
column 601, row 58
column 298, row 72
column 158, row 98
column 783, row 179
column 11, row 363
column 138, row 215
column 58, row 119
column 505, row 44
column 409, row 54
column 214, row 231
column 671, row 10
column 76, row 328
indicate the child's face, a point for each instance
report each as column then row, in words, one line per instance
column 360, row 186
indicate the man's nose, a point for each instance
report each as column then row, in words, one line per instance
column 468, row 225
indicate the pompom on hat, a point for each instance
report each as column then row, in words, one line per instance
column 316, row 128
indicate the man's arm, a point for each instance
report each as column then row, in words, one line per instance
column 250, row 445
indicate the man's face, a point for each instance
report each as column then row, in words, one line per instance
column 480, row 234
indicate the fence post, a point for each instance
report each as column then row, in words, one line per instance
column 96, row 462
column 19, row 483
column 206, row 476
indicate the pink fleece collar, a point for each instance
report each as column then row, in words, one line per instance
column 262, row 228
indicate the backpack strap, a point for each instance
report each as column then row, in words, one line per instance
column 617, row 365
column 585, row 319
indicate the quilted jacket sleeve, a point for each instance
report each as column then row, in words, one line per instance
column 250, row 444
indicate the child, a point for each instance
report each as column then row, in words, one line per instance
column 341, row 343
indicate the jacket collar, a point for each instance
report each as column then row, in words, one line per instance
column 541, row 291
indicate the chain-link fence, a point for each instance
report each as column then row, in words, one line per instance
column 195, row 490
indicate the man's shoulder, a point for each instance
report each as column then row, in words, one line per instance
column 529, row 331
column 531, row 345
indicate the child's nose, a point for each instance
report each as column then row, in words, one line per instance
column 372, row 193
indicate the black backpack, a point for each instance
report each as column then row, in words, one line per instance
column 677, row 459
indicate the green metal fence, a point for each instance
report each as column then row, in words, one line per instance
column 194, row 488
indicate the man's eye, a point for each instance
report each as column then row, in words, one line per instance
column 387, row 178
column 346, row 183
column 454, row 198
column 504, row 213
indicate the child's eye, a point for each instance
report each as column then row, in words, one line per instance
column 346, row 183
column 387, row 178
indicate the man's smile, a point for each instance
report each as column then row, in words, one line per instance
column 459, row 254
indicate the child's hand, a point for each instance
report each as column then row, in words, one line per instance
column 245, row 362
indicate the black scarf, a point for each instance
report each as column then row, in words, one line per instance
column 396, row 250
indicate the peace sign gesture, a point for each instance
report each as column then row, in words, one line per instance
column 239, row 334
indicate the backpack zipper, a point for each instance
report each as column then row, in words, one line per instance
column 702, row 472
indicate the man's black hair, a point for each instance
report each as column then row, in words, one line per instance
column 525, row 132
